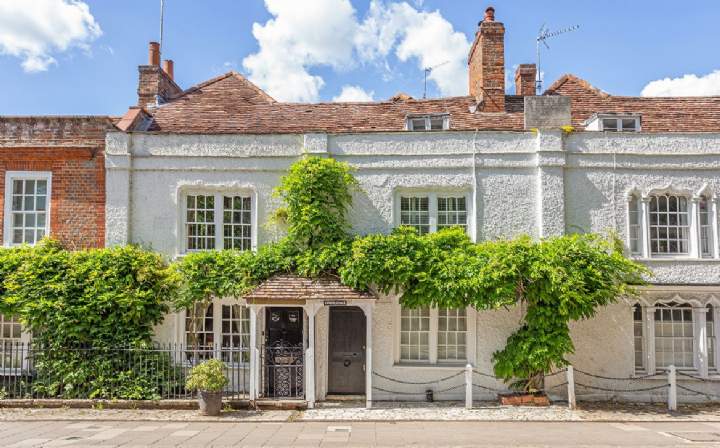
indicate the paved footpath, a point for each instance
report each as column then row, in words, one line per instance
column 360, row 434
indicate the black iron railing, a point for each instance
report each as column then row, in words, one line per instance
column 139, row 373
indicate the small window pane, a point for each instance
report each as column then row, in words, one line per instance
column 414, row 334
column 415, row 212
column 237, row 225
column 29, row 204
column 629, row 125
column 674, row 338
column 200, row 224
column 417, row 124
column 610, row 124
column 437, row 123
column 451, row 334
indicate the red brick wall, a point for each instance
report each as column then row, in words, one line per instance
column 77, row 203
column 71, row 148
column 486, row 64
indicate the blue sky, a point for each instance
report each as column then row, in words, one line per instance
column 86, row 62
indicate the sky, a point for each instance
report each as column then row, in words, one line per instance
column 76, row 57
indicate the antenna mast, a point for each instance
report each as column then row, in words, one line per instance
column 427, row 71
column 162, row 21
column 543, row 35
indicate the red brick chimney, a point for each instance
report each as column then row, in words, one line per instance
column 169, row 68
column 156, row 84
column 487, row 64
column 525, row 77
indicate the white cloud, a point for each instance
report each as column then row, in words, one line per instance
column 687, row 85
column 425, row 37
column 300, row 35
column 351, row 94
column 36, row 30
column 307, row 34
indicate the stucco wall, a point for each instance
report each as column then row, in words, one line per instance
column 537, row 184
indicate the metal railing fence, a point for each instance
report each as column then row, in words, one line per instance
column 135, row 373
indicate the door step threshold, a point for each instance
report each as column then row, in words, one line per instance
column 281, row 404
column 345, row 397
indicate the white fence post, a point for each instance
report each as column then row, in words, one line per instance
column 570, row 375
column 468, row 387
column 672, row 391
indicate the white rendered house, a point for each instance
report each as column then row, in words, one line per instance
column 195, row 169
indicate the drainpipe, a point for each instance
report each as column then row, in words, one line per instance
column 474, row 190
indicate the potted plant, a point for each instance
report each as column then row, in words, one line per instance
column 209, row 380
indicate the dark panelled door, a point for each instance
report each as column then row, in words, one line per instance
column 347, row 351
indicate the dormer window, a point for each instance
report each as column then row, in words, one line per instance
column 613, row 123
column 433, row 122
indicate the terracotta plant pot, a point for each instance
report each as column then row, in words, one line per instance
column 524, row 399
column 210, row 402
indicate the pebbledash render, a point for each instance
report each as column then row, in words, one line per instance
column 194, row 169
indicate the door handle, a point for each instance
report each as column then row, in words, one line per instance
column 347, row 363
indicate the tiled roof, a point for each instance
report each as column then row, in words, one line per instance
column 291, row 288
column 659, row 114
column 230, row 104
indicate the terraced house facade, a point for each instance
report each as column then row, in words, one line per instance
column 194, row 169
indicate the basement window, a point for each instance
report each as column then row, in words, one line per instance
column 433, row 122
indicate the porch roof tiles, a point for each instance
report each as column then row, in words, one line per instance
column 285, row 288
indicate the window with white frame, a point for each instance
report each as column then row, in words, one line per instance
column 433, row 122
column 672, row 225
column 705, row 224
column 433, row 335
column 620, row 124
column 11, row 336
column 27, row 206
column 671, row 334
column 415, row 334
column 639, row 341
column 433, row 211
column 711, row 331
column 218, row 221
column 669, row 225
column 219, row 330
column 452, row 329
column 674, row 339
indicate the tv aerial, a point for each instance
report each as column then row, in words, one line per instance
column 543, row 35
column 427, row 71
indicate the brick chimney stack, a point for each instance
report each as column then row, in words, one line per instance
column 487, row 64
column 525, row 77
column 154, row 54
column 169, row 68
column 156, row 84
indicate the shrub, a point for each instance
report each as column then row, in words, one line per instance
column 207, row 377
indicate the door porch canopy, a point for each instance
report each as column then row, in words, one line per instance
column 291, row 289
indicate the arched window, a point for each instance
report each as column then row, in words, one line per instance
column 674, row 339
column 705, row 227
column 635, row 233
column 669, row 221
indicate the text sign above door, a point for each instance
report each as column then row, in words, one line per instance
column 335, row 302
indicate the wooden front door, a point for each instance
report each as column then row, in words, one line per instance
column 347, row 351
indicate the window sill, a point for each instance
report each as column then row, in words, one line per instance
column 426, row 365
column 664, row 376
column 674, row 259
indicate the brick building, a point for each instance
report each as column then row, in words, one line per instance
column 52, row 179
